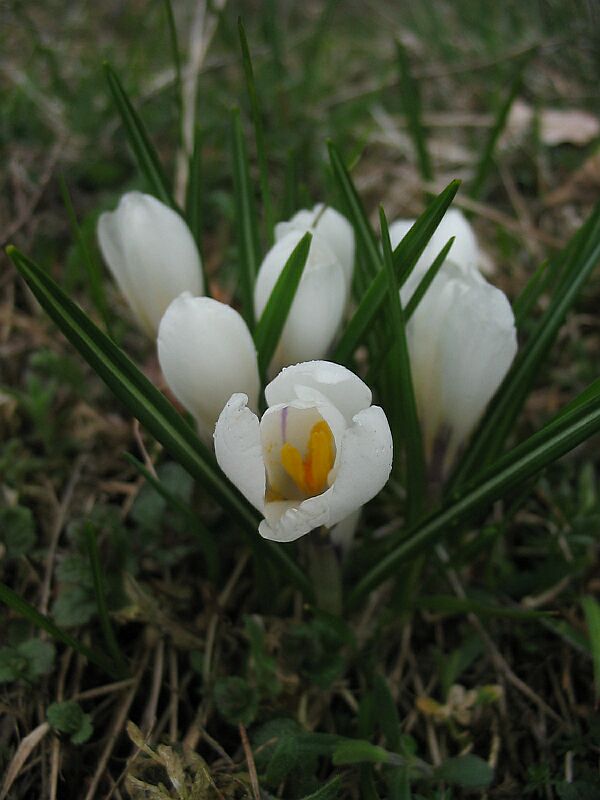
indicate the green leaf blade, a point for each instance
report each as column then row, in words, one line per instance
column 405, row 257
column 100, row 592
column 259, row 134
column 272, row 321
column 143, row 150
column 591, row 609
column 247, row 234
column 25, row 609
column 410, row 98
column 353, row 205
column 405, row 424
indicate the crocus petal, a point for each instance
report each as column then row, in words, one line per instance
column 479, row 343
column 152, row 255
column 332, row 226
column 238, row 449
column 318, row 306
column 206, row 354
column 462, row 340
column 342, row 534
column 464, row 251
column 320, row 379
column 365, row 462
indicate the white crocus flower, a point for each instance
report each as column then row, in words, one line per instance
column 332, row 226
column 462, row 341
column 317, row 309
column 152, row 255
column 206, row 353
column 464, row 251
column 319, row 453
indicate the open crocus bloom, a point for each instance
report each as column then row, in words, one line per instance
column 206, row 353
column 318, row 306
column 152, row 255
column 330, row 225
column 464, row 251
column 319, row 453
column 462, row 341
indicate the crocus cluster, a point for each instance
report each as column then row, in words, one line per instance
column 321, row 449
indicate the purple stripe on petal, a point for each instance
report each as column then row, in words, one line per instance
column 284, row 416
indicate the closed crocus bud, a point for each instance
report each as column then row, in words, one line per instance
column 151, row 254
column 332, row 226
column 464, row 251
column 320, row 451
column 206, row 353
column 318, row 306
column 462, row 341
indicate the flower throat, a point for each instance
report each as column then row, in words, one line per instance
column 310, row 473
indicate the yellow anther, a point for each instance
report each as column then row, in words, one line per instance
column 310, row 474
column 319, row 459
column 292, row 463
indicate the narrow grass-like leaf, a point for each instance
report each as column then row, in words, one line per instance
column 410, row 98
column 246, row 221
column 269, row 327
column 427, row 279
column 259, row 134
column 486, row 160
column 365, row 234
column 506, row 405
column 173, row 41
column 143, row 150
column 591, row 609
column 450, row 604
column 379, row 359
column 110, row 639
column 205, row 538
column 525, row 461
column 387, row 712
column 404, row 420
column 22, row 607
column 525, row 302
column 290, row 202
column 329, row 791
column 405, row 255
column 94, row 273
column 589, row 393
column 193, row 201
column 151, row 408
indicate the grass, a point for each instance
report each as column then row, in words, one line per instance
column 196, row 662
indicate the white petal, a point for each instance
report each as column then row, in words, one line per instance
column 239, row 451
column 479, row 343
column 320, row 379
column 342, row 534
column 318, row 306
column 398, row 230
column 464, row 252
column 332, row 226
column 152, row 255
column 462, row 340
column 206, row 354
column 365, row 462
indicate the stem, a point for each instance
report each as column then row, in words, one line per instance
column 324, row 571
